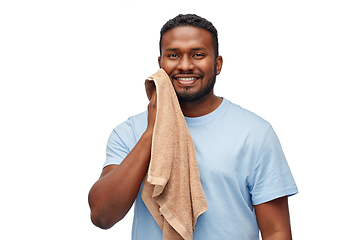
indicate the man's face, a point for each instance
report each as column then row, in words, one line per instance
column 188, row 57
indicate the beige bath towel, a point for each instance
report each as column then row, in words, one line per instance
column 172, row 190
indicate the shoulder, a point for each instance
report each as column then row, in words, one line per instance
column 134, row 124
column 245, row 118
column 124, row 137
column 129, row 132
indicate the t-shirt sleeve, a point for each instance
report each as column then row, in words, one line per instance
column 118, row 145
column 124, row 137
column 272, row 177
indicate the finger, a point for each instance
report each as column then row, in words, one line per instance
column 153, row 99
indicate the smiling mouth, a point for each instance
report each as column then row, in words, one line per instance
column 187, row 77
column 186, row 81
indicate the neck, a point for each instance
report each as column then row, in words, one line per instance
column 201, row 107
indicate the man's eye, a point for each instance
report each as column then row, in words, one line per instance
column 198, row 55
column 173, row 55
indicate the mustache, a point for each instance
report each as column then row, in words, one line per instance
column 183, row 73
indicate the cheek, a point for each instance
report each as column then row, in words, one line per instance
column 206, row 66
column 168, row 66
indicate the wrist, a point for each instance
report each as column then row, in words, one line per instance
column 147, row 135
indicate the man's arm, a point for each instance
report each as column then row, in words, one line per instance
column 274, row 220
column 112, row 196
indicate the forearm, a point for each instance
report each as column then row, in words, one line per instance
column 279, row 235
column 113, row 194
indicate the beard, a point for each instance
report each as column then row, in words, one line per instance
column 186, row 97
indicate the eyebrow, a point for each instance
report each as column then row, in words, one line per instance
column 171, row 49
column 176, row 49
column 198, row 49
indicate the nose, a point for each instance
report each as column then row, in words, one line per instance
column 186, row 63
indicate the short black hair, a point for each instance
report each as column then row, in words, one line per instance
column 191, row 20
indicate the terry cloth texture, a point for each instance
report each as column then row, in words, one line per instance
column 172, row 190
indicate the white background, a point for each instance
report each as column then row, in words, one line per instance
column 71, row 71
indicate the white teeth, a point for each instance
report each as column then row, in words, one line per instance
column 186, row 79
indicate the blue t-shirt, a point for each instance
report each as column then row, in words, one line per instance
column 241, row 164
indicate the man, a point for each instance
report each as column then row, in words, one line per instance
column 244, row 174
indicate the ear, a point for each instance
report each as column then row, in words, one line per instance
column 159, row 61
column 219, row 63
